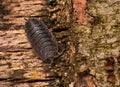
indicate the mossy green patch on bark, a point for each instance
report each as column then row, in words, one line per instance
column 98, row 40
column 90, row 44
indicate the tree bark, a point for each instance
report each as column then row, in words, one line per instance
column 89, row 29
column 19, row 65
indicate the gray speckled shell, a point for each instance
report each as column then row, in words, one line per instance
column 41, row 39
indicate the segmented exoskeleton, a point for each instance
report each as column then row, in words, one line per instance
column 41, row 39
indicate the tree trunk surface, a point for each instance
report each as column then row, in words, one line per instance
column 17, row 61
column 19, row 66
column 88, row 29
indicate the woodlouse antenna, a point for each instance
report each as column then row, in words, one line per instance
column 31, row 17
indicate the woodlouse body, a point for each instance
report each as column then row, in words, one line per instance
column 41, row 39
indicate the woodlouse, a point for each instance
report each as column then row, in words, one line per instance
column 41, row 40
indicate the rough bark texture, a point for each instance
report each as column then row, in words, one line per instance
column 93, row 47
column 19, row 66
column 92, row 58
column 14, row 12
column 60, row 13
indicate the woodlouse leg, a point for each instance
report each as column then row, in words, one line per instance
column 61, row 50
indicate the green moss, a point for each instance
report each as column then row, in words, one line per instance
column 90, row 43
column 96, row 40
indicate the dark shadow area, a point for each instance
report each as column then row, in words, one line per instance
column 3, row 12
column 5, row 26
